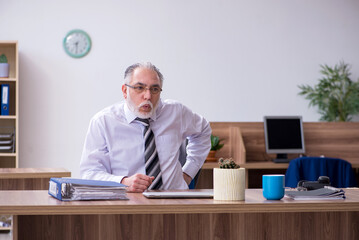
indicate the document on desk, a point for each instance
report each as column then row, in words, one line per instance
column 326, row 193
column 69, row 189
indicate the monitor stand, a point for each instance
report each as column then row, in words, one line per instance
column 281, row 158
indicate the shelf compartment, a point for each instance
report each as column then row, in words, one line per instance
column 12, row 97
column 8, row 161
column 10, row 50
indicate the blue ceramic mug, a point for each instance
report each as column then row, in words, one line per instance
column 273, row 186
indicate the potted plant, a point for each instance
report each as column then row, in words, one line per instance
column 336, row 95
column 228, row 181
column 215, row 146
column 4, row 66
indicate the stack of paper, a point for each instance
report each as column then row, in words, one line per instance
column 7, row 142
column 68, row 189
column 326, row 193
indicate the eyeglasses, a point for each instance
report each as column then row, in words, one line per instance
column 140, row 88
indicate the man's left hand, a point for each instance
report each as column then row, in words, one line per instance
column 187, row 178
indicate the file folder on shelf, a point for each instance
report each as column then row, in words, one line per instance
column 5, row 99
column 69, row 189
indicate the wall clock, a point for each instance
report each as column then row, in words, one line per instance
column 77, row 43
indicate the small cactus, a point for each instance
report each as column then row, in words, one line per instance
column 3, row 58
column 227, row 163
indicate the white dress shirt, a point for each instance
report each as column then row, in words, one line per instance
column 114, row 146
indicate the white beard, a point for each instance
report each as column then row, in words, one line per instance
column 136, row 109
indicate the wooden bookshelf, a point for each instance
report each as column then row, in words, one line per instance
column 10, row 158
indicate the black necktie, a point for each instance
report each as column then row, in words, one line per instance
column 152, row 163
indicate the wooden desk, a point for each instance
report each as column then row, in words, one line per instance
column 331, row 139
column 253, row 179
column 260, row 165
column 29, row 178
column 42, row 217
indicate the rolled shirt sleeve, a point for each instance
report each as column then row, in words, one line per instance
column 199, row 141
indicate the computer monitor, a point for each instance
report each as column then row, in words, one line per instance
column 283, row 135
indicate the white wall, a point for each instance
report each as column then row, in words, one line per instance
column 228, row 60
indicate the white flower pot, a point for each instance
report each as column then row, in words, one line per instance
column 4, row 70
column 229, row 184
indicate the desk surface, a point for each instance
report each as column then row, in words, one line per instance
column 40, row 203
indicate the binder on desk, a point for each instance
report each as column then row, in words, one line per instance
column 5, row 99
column 69, row 189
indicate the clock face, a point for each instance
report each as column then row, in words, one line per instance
column 77, row 43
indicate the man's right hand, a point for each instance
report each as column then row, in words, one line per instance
column 137, row 182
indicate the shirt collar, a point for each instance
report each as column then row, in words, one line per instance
column 130, row 116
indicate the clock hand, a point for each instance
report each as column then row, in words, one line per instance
column 77, row 46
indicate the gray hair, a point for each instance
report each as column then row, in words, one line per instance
column 129, row 71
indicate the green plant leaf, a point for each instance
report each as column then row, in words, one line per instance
column 336, row 95
column 3, row 58
column 215, row 143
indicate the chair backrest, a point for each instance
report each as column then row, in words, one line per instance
column 339, row 171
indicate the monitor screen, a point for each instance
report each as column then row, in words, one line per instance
column 283, row 135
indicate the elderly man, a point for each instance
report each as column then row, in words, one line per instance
column 137, row 141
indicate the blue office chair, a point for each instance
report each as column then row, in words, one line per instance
column 182, row 158
column 339, row 171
